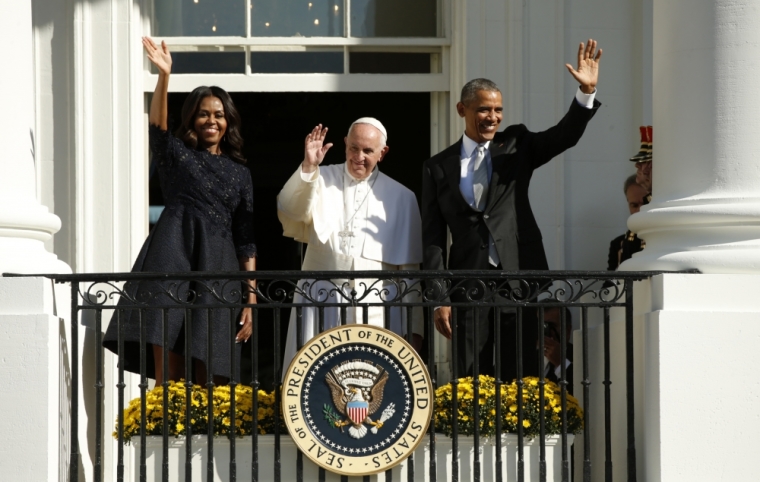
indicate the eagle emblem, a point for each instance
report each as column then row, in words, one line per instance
column 357, row 392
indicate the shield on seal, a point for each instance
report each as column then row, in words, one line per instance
column 357, row 411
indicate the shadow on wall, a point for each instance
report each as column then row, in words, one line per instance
column 53, row 23
column 64, row 414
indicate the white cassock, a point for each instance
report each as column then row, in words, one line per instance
column 383, row 216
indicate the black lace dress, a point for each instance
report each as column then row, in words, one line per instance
column 206, row 225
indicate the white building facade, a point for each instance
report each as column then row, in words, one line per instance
column 91, row 83
column 76, row 191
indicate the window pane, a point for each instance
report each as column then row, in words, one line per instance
column 297, row 62
column 199, row 18
column 393, row 18
column 206, row 63
column 296, row 18
column 388, row 63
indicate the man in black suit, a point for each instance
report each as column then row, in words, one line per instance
column 552, row 349
column 478, row 188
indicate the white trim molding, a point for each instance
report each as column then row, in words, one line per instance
column 307, row 82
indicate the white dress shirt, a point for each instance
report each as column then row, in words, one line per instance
column 557, row 369
column 467, row 156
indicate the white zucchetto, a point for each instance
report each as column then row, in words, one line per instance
column 374, row 123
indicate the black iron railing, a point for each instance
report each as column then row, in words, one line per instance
column 526, row 293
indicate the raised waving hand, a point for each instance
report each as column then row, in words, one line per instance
column 159, row 56
column 314, row 149
column 159, row 104
column 587, row 73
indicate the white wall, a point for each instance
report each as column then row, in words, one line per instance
column 89, row 105
column 595, row 207
column 91, row 126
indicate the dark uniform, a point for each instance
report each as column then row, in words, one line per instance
column 615, row 253
column 631, row 243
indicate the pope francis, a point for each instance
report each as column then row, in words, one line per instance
column 353, row 217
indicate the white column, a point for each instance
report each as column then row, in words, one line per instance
column 705, row 212
column 695, row 341
column 25, row 224
column 35, row 370
column 696, row 334
column 36, row 377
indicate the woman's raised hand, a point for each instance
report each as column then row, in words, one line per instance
column 160, row 56
column 314, row 149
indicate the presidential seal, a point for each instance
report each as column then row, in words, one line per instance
column 357, row 399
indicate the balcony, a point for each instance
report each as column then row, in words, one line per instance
column 98, row 388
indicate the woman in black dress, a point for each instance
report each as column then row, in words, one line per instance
column 207, row 225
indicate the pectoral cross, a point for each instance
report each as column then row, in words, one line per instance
column 344, row 235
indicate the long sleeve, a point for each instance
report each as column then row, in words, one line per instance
column 296, row 203
column 242, row 223
column 433, row 224
column 544, row 146
column 167, row 150
column 613, row 256
column 434, row 233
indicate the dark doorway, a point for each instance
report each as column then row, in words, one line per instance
column 274, row 128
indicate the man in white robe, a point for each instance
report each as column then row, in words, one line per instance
column 353, row 217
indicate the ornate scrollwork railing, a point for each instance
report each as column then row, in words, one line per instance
column 354, row 288
column 208, row 295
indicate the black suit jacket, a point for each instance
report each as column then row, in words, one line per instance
column 568, row 371
column 515, row 154
column 613, row 256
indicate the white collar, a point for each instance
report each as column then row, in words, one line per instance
column 468, row 145
column 350, row 177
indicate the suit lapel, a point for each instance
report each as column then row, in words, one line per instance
column 498, row 151
column 452, row 167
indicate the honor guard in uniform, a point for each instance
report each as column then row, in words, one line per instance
column 634, row 195
column 643, row 159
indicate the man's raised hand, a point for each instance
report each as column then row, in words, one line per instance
column 314, row 149
column 587, row 73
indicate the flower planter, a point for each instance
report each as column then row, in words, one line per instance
column 243, row 452
column 487, row 452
